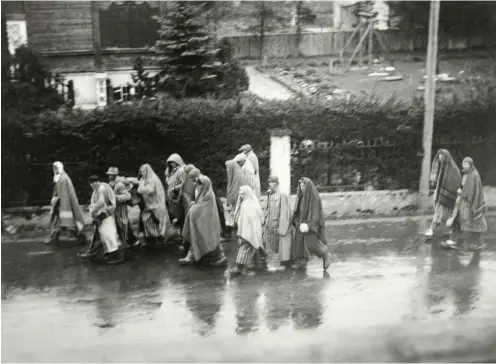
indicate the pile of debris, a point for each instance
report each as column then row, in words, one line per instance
column 387, row 74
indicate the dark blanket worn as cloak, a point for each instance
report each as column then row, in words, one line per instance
column 448, row 179
column 202, row 225
column 308, row 210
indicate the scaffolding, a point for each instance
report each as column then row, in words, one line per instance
column 365, row 30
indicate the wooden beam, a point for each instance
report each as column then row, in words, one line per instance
column 97, row 44
column 162, row 8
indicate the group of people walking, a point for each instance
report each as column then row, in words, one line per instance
column 458, row 200
column 189, row 202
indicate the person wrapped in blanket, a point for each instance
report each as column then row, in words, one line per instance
column 105, row 238
column 468, row 218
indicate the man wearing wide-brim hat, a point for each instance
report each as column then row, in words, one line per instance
column 123, row 195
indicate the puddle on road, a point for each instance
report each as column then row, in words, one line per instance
column 153, row 300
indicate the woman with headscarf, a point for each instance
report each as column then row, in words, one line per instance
column 249, row 173
column 154, row 213
column 235, row 179
column 308, row 219
column 470, row 208
column 174, row 178
column 252, row 157
column 66, row 213
column 202, row 225
column 446, row 176
column 250, row 220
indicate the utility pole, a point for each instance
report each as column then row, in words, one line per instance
column 429, row 101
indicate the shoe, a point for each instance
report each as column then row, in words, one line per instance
column 327, row 261
column 248, row 273
column 449, row 244
column 189, row 259
column 54, row 239
column 429, row 233
column 220, row 263
column 115, row 258
column 235, row 272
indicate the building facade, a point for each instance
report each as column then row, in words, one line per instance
column 94, row 44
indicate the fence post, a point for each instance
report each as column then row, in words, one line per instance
column 280, row 158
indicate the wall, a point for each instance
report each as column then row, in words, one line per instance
column 59, row 25
column 336, row 205
column 331, row 43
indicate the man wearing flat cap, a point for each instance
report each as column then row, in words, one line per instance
column 252, row 157
column 277, row 223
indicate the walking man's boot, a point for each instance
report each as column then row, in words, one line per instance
column 54, row 238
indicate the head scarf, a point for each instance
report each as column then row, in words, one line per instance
column 246, row 148
column 308, row 209
column 473, row 190
column 250, row 217
column 193, row 173
column 241, row 157
column 448, row 179
column 176, row 158
column 60, row 167
column 188, row 168
column 235, row 179
column 152, row 191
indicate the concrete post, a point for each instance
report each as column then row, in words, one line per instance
column 280, row 158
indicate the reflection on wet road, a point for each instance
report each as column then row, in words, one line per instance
column 392, row 297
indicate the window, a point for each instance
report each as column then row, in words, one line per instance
column 128, row 24
column 123, row 93
column 101, row 90
column 17, row 34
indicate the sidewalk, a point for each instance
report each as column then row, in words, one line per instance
column 404, row 230
column 262, row 86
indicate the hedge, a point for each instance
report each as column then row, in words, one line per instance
column 207, row 133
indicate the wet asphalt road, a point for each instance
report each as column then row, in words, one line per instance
column 390, row 295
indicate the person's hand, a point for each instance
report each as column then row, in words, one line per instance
column 449, row 222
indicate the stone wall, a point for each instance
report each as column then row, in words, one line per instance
column 336, row 205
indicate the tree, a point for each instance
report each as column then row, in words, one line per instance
column 145, row 84
column 457, row 18
column 186, row 53
column 29, row 85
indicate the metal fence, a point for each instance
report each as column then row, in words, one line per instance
column 380, row 163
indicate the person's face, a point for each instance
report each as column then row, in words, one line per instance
column 56, row 170
column 173, row 165
column 94, row 185
column 197, row 180
column 141, row 173
column 273, row 186
column 112, row 177
column 302, row 186
column 241, row 163
column 441, row 157
column 242, row 193
column 466, row 166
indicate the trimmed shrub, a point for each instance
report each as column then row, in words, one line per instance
column 310, row 72
column 313, row 64
column 208, row 132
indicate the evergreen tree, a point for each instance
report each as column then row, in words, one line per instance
column 186, row 53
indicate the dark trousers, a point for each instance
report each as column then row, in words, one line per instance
column 222, row 218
